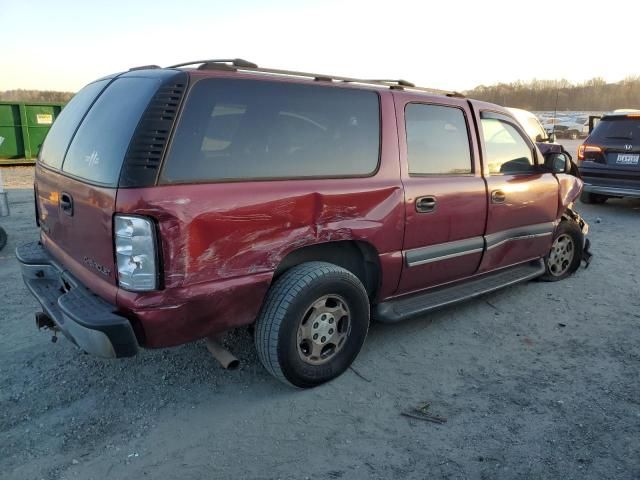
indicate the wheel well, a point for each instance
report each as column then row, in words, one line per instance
column 360, row 258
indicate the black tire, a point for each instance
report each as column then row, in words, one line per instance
column 3, row 238
column 592, row 198
column 570, row 229
column 288, row 301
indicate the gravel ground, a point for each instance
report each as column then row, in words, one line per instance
column 537, row 381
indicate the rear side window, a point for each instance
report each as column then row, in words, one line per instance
column 437, row 140
column 507, row 151
column 58, row 138
column 616, row 129
column 245, row 129
column 100, row 144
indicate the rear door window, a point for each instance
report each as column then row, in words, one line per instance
column 506, row 150
column 245, row 129
column 100, row 144
column 437, row 140
column 58, row 138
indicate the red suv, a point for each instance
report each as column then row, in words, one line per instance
column 177, row 203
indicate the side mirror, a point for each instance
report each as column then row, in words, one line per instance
column 557, row 162
column 550, row 138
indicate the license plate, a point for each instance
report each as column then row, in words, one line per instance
column 627, row 159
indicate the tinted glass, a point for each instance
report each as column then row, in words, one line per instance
column 437, row 140
column 98, row 149
column 58, row 138
column 506, row 150
column 245, row 129
column 616, row 129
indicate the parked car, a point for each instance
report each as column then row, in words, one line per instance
column 573, row 129
column 229, row 195
column 609, row 159
column 531, row 125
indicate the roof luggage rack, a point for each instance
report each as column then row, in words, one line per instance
column 235, row 64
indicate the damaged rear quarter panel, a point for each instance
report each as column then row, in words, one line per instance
column 213, row 232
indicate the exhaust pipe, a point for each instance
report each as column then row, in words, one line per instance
column 226, row 359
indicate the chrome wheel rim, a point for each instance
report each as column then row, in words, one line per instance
column 561, row 256
column 323, row 330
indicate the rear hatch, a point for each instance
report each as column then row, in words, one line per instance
column 619, row 139
column 79, row 171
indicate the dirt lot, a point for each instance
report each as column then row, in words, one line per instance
column 537, row 381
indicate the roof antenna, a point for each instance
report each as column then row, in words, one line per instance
column 555, row 113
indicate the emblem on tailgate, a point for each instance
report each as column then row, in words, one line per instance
column 90, row 262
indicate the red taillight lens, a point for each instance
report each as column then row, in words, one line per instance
column 582, row 149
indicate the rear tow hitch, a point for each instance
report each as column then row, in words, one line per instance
column 44, row 321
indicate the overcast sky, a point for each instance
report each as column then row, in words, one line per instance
column 449, row 44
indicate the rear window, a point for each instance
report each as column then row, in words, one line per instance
column 617, row 129
column 58, row 138
column 246, row 129
column 98, row 148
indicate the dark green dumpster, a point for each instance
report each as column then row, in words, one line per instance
column 23, row 127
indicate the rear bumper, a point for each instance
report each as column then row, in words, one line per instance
column 83, row 317
column 607, row 180
column 612, row 191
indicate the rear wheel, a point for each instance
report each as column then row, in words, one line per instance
column 312, row 324
column 588, row 197
column 566, row 252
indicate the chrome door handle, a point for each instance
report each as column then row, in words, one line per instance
column 498, row 196
column 425, row 204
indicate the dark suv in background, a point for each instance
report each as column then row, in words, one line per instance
column 609, row 159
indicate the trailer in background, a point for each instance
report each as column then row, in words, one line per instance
column 23, row 127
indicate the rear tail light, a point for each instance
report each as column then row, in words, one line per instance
column 582, row 149
column 136, row 253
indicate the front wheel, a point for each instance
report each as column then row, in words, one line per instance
column 313, row 324
column 566, row 252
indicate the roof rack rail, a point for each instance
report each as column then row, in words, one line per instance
column 244, row 65
column 144, row 67
column 399, row 82
column 236, row 62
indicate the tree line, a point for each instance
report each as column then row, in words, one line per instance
column 595, row 94
column 31, row 96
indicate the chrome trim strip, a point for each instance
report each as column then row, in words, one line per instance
column 443, row 251
column 519, row 237
column 468, row 246
column 520, row 233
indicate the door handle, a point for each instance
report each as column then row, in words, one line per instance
column 66, row 203
column 425, row 204
column 498, row 196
